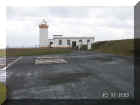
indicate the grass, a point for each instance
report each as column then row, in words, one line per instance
column 35, row 51
column 3, row 92
column 117, row 47
column 2, row 52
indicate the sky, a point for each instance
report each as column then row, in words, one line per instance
column 104, row 23
column 106, row 20
column 2, row 27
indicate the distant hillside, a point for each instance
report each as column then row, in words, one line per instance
column 118, row 47
column 2, row 52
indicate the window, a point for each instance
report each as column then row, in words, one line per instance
column 68, row 42
column 80, row 41
column 88, row 41
column 60, row 42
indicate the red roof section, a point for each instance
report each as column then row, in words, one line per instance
column 43, row 26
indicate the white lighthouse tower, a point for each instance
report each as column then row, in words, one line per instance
column 43, row 38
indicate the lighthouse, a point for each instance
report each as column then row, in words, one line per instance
column 43, row 31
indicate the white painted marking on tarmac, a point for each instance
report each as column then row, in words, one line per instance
column 12, row 63
column 3, row 70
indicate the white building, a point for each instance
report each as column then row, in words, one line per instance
column 60, row 40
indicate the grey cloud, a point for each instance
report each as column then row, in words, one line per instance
column 77, row 12
column 99, row 21
column 45, row 12
column 115, row 12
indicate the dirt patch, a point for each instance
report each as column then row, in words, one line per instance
column 61, row 78
column 102, row 59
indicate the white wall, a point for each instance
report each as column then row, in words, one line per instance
column 44, row 37
column 64, row 42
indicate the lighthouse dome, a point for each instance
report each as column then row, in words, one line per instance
column 43, row 24
column 44, row 21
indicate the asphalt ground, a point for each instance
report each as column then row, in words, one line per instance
column 87, row 75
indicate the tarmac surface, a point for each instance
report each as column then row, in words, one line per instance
column 87, row 75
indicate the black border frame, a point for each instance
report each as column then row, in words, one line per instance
column 134, row 101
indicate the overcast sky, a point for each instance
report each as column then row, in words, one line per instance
column 2, row 27
column 105, row 23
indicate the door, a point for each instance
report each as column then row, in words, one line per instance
column 73, row 44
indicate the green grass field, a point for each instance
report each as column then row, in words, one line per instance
column 35, row 51
column 2, row 53
column 3, row 92
column 117, row 47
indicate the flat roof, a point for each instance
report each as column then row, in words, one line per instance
column 73, row 37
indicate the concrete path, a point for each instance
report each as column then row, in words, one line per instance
column 87, row 75
column 2, row 70
column 6, row 62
